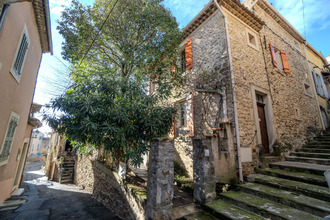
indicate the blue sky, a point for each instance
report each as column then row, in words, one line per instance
column 317, row 23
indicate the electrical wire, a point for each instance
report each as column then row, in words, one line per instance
column 98, row 33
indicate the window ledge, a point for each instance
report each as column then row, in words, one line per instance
column 17, row 78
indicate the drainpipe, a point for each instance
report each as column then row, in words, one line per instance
column 314, row 89
column 234, row 97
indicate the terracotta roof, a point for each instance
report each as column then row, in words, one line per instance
column 233, row 6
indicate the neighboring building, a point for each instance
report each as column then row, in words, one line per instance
column 39, row 144
column 318, row 66
column 24, row 37
column 328, row 58
column 247, row 93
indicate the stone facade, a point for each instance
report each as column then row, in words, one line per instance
column 210, row 83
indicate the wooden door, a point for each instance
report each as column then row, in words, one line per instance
column 263, row 127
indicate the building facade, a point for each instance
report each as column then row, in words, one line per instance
column 24, row 37
column 39, row 144
column 248, row 94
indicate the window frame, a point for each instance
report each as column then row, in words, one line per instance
column 15, row 115
column 3, row 15
column 253, row 34
column 183, row 116
column 297, row 45
column 17, row 76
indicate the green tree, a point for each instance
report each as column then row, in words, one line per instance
column 108, row 104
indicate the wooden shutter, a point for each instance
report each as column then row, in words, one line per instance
column 273, row 54
column 324, row 88
column 190, row 116
column 189, row 54
column 285, row 62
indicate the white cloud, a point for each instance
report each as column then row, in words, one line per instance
column 57, row 10
column 317, row 14
column 59, row 2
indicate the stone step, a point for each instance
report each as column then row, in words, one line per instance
column 197, row 216
column 322, row 138
column 264, row 207
column 308, row 160
column 317, row 192
column 297, row 201
column 18, row 192
column 314, row 155
column 225, row 210
column 300, row 167
column 317, row 145
column 314, row 150
column 180, row 211
column 294, row 175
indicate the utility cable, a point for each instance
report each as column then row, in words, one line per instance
column 98, row 33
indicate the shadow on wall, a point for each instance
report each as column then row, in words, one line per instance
column 108, row 188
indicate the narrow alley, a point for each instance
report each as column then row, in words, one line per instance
column 43, row 199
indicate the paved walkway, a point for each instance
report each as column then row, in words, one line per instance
column 51, row 200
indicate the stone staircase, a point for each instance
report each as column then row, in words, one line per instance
column 293, row 189
column 66, row 172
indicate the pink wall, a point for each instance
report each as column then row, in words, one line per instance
column 16, row 96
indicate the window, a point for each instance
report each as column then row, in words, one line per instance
column 252, row 39
column 308, row 89
column 38, row 147
column 280, row 59
column 183, row 60
column 41, row 137
column 32, row 147
column 183, row 114
column 320, row 86
column 8, row 140
column 296, row 45
column 20, row 56
column 260, row 98
column 3, row 15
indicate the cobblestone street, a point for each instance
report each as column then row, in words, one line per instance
column 51, row 200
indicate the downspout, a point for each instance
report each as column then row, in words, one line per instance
column 234, row 97
column 314, row 89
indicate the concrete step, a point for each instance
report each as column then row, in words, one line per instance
column 320, row 161
column 297, row 201
column 199, row 215
column 185, row 210
column 314, row 191
column 313, row 155
column 18, row 192
column 314, row 150
column 225, row 210
column 264, row 207
column 294, row 175
column 301, row 167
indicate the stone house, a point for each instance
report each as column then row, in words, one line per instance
column 24, row 37
column 318, row 65
column 245, row 97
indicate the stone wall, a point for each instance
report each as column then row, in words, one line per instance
column 108, row 188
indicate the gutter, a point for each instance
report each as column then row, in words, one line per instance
column 49, row 33
column 314, row 90
column 234, row 97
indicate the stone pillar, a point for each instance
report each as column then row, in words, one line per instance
column 204, row 179
column 160, row 180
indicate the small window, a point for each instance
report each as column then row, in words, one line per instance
column 252, row 39
column 296, row 45
column 41, row 137
column 183, row 60
column 260, row 98
column 32, row 147
column 3, row 15
column 278, row 60
column 183, row 114
column 308, row 89
column 8, row 140
column 38, row 147
column 20, row 56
